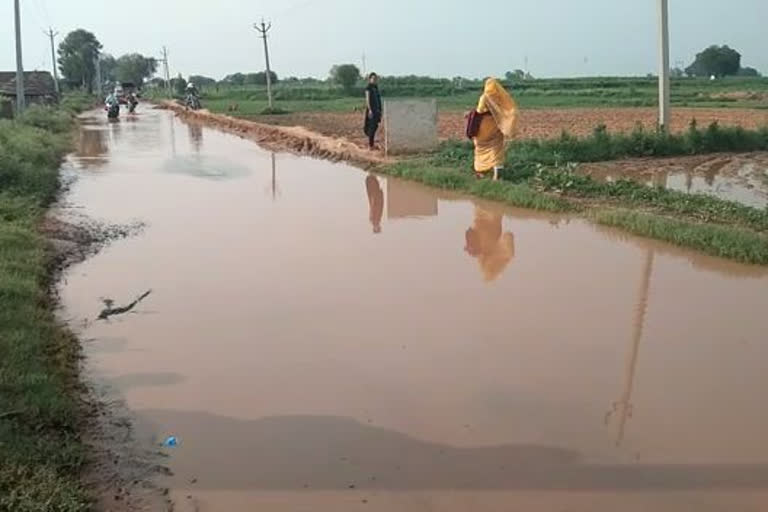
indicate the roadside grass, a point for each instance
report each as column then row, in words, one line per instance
column 603, row 145
column 713, row 239
column 447, row 178
column 40, row 450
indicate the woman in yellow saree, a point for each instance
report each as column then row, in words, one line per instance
column 498, row 122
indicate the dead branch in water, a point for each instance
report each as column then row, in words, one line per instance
column 110, row 311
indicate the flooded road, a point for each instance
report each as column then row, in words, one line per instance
column 319, row 338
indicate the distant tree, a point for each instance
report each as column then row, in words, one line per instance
column 156, row 82
column 260, row 78
column 234, row 79
column 179, row 85
column 677, row 73
column 715, row 61
column 201, row 81
column 516, row 75
column 345, row 75
column 747, row 71
column 77, row 58
column 108, row 65
column 135, row 68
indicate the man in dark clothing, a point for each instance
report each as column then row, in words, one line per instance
column 372, row 109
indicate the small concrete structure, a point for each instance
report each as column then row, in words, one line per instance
column 410, row 125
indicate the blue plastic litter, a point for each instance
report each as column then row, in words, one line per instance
column 171, row 441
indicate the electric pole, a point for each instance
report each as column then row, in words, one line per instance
column 51, row 34
column 365, row 68
column 97, row 64
column 167, row 72
column 20, row 99
column 663, row 6
column 262, row 29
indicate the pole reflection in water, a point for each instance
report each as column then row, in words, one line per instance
column 272, row 187
column 623, row 407
column 375, row 202
column 172, row 123
column 486, row 241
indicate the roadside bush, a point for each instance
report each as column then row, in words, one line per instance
column 47, row 118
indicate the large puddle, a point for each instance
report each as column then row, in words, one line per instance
column 319, row 338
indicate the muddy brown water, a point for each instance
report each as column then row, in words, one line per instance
column 742, row 178
column 319, row 338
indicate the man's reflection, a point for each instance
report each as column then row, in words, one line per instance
column 486, row 241
column 195, row 136
column 92, row 147
column 375, row 202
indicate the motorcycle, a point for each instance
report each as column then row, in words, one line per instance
column 132, row 106
column 113, row 110
column 192, row 102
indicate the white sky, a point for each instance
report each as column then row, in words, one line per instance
column 425, row 37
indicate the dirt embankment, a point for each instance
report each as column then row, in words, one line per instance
column 294, row 139
column 534, row 123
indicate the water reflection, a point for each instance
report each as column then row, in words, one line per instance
column 407, row 201
column 375, row 202
column 92, row 148
column 486, row 241
column 623, row 407
column 272, row 187
column 195, row 136
column 739, row 178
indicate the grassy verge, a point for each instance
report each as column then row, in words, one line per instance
column 716, row 240
column 514, row 194
column 601, row 145
column 40, row 451
column 716, row 227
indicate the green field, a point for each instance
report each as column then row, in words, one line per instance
column 733, row 92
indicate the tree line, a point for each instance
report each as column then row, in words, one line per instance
column 78, row 54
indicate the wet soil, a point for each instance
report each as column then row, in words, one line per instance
column 742, row 178
column 321, row 338
column 294, row 139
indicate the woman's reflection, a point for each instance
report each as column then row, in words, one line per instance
column 375, row 202
column 92, row 147
column 486, row 241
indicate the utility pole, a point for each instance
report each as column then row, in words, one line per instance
column 365, row 68
column 51, row 34
column 663, row 6
column 99, row 88
column 167, row 72
column 20, row 99
column 262, row 29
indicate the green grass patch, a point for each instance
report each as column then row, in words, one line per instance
column 40, row 451
column 723, row 241
column 513, row 194
column 462, row 94
column 547, row 166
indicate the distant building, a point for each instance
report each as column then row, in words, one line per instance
column 39, row 87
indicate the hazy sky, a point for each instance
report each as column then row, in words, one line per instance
column 426, row 37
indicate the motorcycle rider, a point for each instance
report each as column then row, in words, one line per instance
column 112, row 103
column 193, row 97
